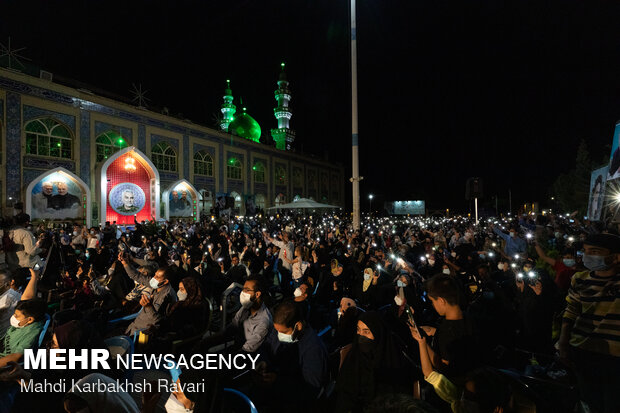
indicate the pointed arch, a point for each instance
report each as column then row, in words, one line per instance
column 63, row 175
column 183, row 185
column 153, row 188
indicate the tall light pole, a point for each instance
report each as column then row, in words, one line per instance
column 370, row 197
column 355, row 179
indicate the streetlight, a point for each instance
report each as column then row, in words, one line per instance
column 355, row 179
column 370, row 197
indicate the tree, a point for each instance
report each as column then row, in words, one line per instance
column 571, row 190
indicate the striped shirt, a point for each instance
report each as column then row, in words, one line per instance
column 594, row 308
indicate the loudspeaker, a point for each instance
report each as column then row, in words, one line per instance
column 473, row 188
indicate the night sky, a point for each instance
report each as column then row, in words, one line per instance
column 504, row 90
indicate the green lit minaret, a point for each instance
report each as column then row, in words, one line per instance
column 228, row 109
column 283, row 135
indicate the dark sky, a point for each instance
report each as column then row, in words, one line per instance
column 504, row 90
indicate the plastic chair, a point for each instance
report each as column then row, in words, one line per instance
column 48, row 319
column 245, row 399
column 325, row 330
column 121, row 341
column 129, row 317
column 127, row 344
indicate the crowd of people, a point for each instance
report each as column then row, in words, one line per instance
column 511, row 314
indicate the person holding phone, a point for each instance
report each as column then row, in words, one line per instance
column 155, row 306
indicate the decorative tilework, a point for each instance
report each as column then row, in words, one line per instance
column 209, row 149
column 230, row 154
column 31, row 112
column 13, row 144
column 142, row 138
column 204, row 182
column 172, row 141
column 85, row 146
column 48, row 163
column 186, row 157
column 236, row 186
column 167, row 176
column 30, row 175
column 261, row 188
column 19, row 87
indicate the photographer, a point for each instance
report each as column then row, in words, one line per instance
column 26, row 249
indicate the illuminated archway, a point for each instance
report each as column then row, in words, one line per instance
column 129, row 187
column 58, row 195
column 181, row 200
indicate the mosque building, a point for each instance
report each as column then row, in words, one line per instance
column 69, row 154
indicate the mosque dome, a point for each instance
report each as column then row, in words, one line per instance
column 245, row 126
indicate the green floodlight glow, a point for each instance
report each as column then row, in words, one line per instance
column 282, row 64
column 254, row 168
column 58, row 144
column 231, row 161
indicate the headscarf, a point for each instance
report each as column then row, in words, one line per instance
column 366, row 283
column 361, row 370
column 194, row 295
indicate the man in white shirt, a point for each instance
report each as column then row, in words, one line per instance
column 26, row 246
column 286, row 248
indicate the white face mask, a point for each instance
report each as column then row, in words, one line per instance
column 75, row 233
column 398, row 300
column 446, row 271
column 245, row 299
column 153, row 283
column 182, row 296
column 431, row 262
column 297, row 292
column 173, row 405
column 453, row 254
column 287, row 338
column 500, row 266
column 15, row 322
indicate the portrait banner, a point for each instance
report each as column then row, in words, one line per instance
column 127, row 198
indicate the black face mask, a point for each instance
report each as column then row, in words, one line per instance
column 365, row 344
